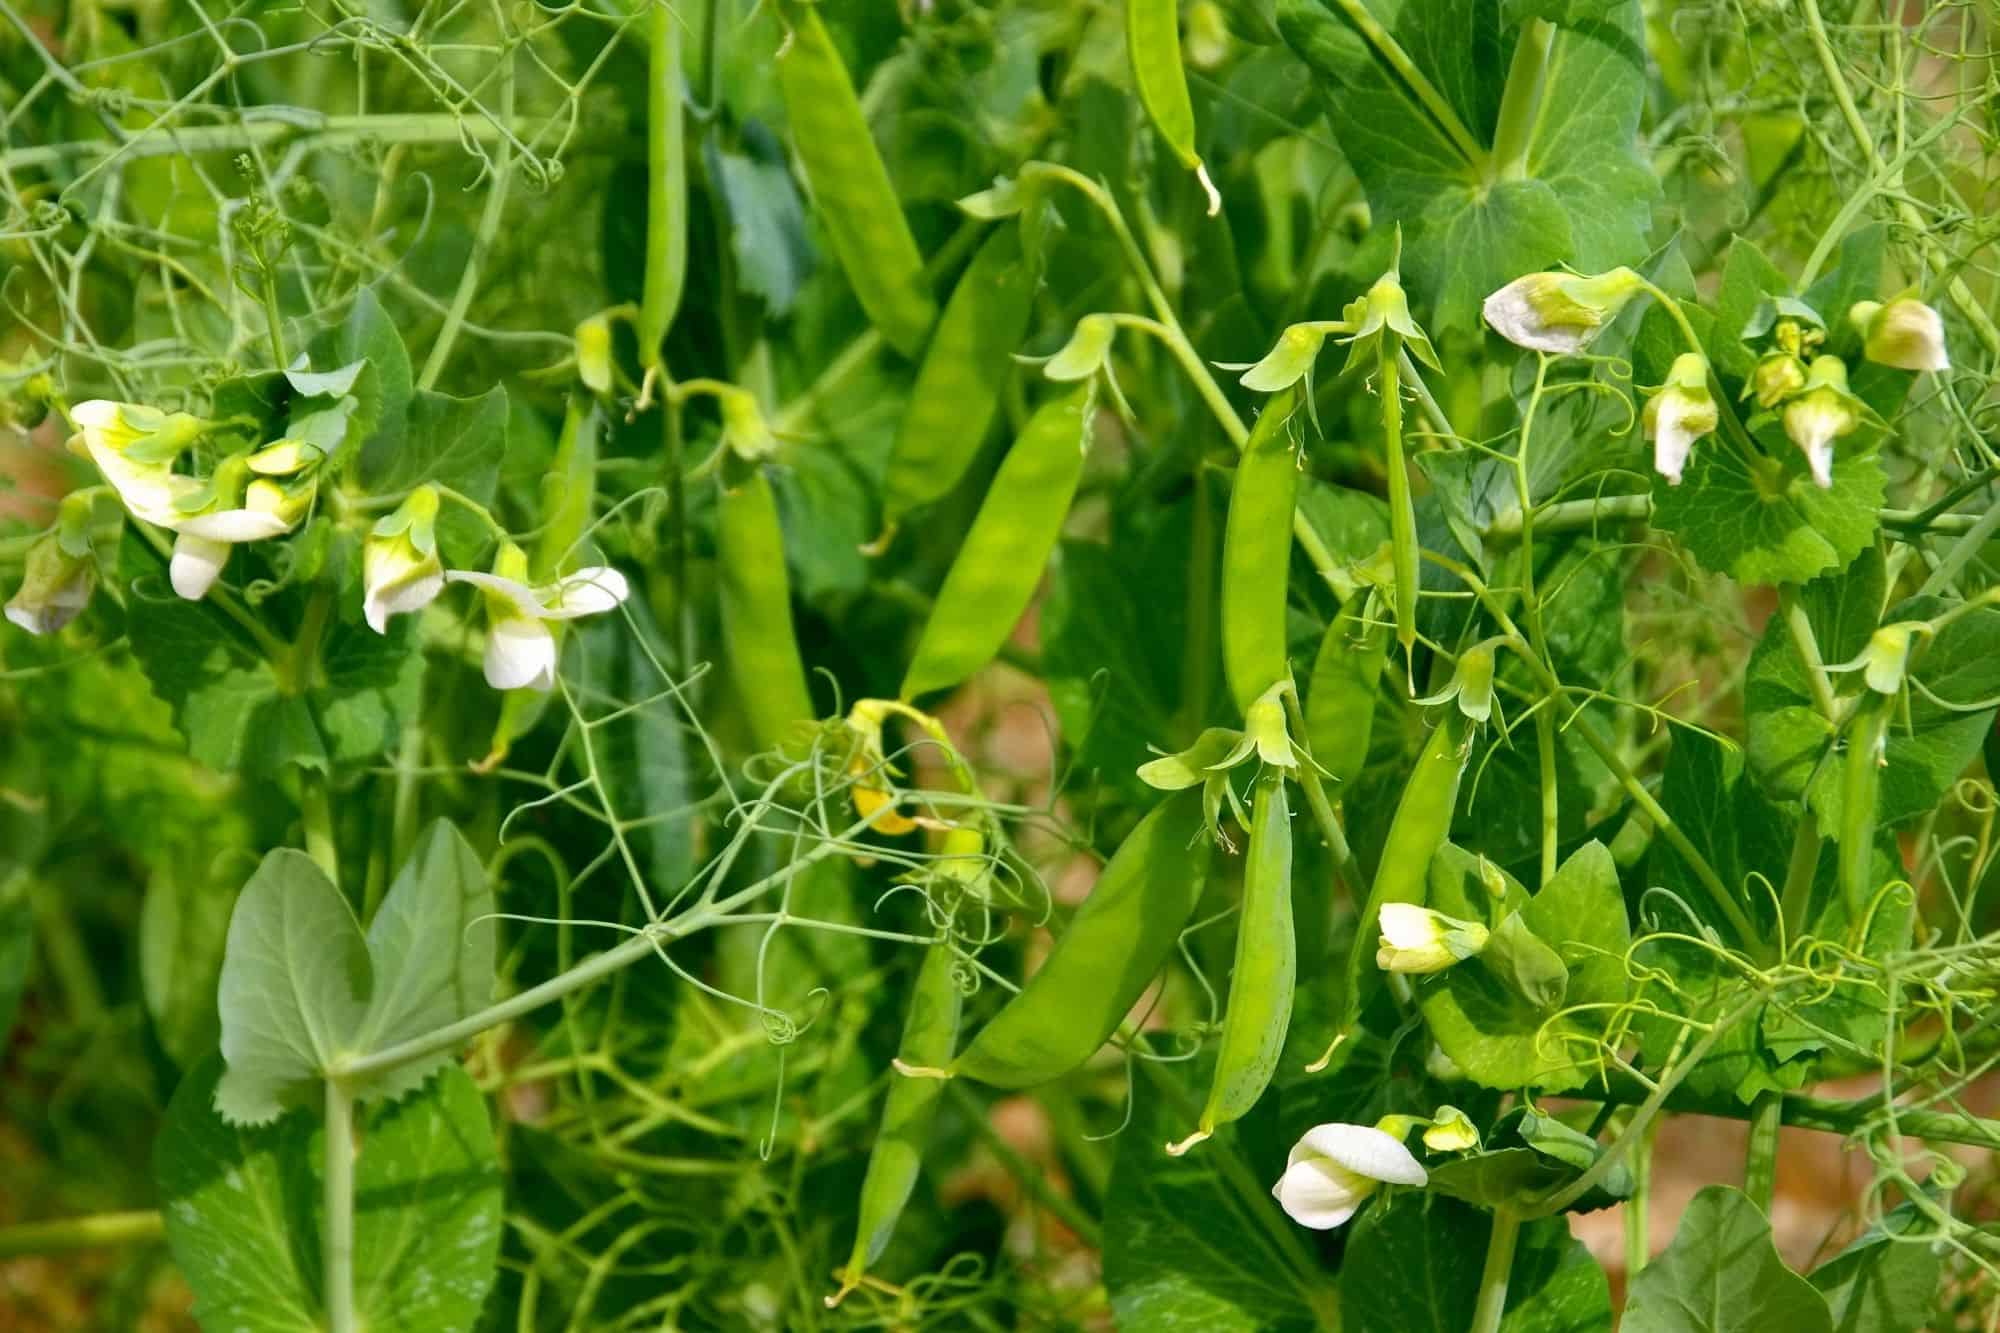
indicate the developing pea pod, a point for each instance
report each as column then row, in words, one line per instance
column 929, row 1032
column 756, row 610
column 856, row 202
column 1153, row 39
column 1340, row 700
column 666, row 188
column 994, row 576
column 1114, row 947
column 1257, row 554
column 959, row 383
column 1422, row 819
column 1265, row 970
column 1861, row 782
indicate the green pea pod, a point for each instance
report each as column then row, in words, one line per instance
column 1265, row 971
column 850, row 186
column 1114, row 947
column 1257, row 554
column 756, row 606
column 1340, row 700
column 994, row 576
column 1153, row 39
column 666, row 187
column 958, row 386
column 569, row 487
column 1419, row 828
column 1861, row 782
column 930, row 1031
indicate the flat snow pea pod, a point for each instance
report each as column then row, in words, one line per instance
column 958, row 386
column 1265, row 972
column 1340, row 698
column 1257, row 554
column 994, row 576
column 930, row 1031
column 666, row 187
column 1421, row 822
column 1114, row 947
column 856, row 202
column 756, row 605
column 1861, row 783
column 1153, row 40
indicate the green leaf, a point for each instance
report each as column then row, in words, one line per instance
column 301, row 988
column 1488, row 1027
column 368, row 334
column 1769, row 523
column 243, row 1212
column 1585, row 196
column 768, row 234
column 183, row 925
column 431, row 946
column 455, row 442
column 1748, row 280
column 1723, row 1275
column 294, row 991
column 1881, row 1283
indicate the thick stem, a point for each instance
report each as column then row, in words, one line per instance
column 1799, row 626
column 80, row 1233
column 1760, row 1163
column 337, row 1238
column 1638, row 1244
column 316, row 815
column 1521, row 101
column 1499, row 1264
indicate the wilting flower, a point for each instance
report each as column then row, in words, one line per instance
column 1559, row 312
column 55, row 586
column 1451, row 1130
column 1905, row 333
column 1289, row 360
column 520, row 648
column 1679, row 414
column 400, row 569
column 202, row 548
column 1778, row 376
column 1335, row 1167
column 1385, row 308
column 134, row 447
column 1887, row 657
column 1471, row 683
column 1823, row 412
column 1418, row 940
column 593, row 353
column 743, row 427
column 868, row 767
column 1085, row 352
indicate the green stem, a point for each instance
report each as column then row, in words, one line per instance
column 666, row 200
column 280, row 125
column 316, row 815
column 1521, row 101
column 1391, row 53
column 337, row 1238
column 1861, row 784
column 1329, row 827
column 80, row 1233
column 1402, row 511
column 1799, row 626
column 1581, row 515
column 1760, row 1163
column 1797, row 895
column 482, row 240
column 273, row 320
column 1638, row 1245
column 1499, row 1265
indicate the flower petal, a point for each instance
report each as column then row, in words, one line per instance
column 588, row 592
column 1408, row 926
column 518, row 594
column 394, row 599
column 520, row 655
column 197, row 562
column 1363, row 1150
column 1319, row 1194
column 235, row 525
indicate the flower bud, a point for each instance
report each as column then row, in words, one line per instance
column 285, row 458
column 1679, row 414
column 1559, row 312
column 1526, row 963
column 1418, row 940
column 1778, row 376
column 743, row 426
column 55, row 586
column 1822, row 412
column 1883, row 660
column 400, row 569
column 1451, row 1130
column 1264, row 726
column 1905, row 333
column 1385, row 308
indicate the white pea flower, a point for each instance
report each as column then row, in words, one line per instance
column 1905, row 334
column 400, row 569
column 1335, row 1167
column 134, row 447
column 202, row 548
column 1417, row 940
column 55, row 586
column 520, row 648
column 1559, row 312
column 1822, row 412
column 1679, row 414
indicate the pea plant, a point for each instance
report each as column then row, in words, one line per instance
column 1010, row 664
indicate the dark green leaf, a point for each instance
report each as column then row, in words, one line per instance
column 1723, row 1275
column 1768, row 522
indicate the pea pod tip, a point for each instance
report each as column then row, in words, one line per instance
column 1181, row 1148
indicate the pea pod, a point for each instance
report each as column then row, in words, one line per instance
column 1153, row 40
column 756, row 608
column 1257, row 554
column 666, row 187
column 994, row 576
column 930, row 1031
column 851, row 190
column 964, row 368
column 1861, row 782
column 1340, row 700
column 1421, row 822
column 1265, row 971
column 1114, row 947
